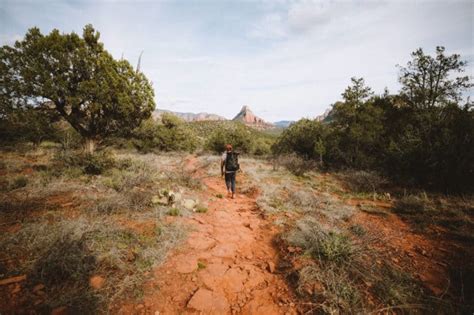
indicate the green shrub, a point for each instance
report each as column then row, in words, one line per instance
column 92, row 164
column 236, row 134
column 201, row 209
column 331, row 246
column 174, row 212
column 170, row 133
column 95, row 164
column 18, row 182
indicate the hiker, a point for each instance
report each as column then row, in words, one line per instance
column 229, row 167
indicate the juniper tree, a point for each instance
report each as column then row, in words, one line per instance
column 98, row 95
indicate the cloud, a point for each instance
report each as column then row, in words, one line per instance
column 305, row 16
column 285, row 59
column 271, row 26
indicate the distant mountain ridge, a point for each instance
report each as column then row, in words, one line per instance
column 189, row 116
column 245, row 116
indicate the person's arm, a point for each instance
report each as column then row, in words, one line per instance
column 222, row 163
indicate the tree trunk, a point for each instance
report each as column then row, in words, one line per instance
column 90, row 145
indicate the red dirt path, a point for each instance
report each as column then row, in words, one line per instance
column 236, row 272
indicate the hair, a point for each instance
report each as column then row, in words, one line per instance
column 228, row 146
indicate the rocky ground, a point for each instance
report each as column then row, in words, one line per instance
column 156, row 234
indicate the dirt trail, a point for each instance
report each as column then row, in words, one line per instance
column 227, row 265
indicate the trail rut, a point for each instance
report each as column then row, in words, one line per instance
column 226, row 266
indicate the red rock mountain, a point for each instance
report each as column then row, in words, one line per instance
column 247, row 117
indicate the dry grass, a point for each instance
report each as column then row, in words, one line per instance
column 63, row 249
column 341, row 268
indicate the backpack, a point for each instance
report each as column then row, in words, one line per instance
column 232, row 162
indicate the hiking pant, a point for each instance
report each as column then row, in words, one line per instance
column 230, row 181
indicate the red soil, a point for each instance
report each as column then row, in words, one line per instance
column 227, row 265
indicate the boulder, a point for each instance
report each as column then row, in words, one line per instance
column 189, row 204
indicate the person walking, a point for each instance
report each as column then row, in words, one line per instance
column 229, row 167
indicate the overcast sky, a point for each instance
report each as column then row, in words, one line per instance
column 284, row 59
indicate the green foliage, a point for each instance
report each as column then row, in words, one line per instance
column 214, row 135
column 201, row 209
column 305, row 137
column 322, row 244
column 237, row 134
column 174, row 212
column 423, row 136
column 170, row 133
column 79, row 79
column 93, row 164
column 27, row 124
column 429, row 81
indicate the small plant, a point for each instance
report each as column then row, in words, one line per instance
column 201, row 265
column 18, row 182
column 95, row 164
column 297, row 165
column 412, row 204
column 321, row 243
column 201, row 209
column 174, row 212
column 219, row 196
column 358, row 230
column 364, row 182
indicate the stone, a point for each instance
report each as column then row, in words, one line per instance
column 189, row 204
column 271, row 266
column 96, row 282
column 209, row 302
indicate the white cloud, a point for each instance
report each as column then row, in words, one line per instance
column 286, row 60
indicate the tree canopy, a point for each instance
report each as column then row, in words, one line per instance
column 423, row 135
column 98, row 95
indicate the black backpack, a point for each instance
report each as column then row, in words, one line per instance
column 232, row 162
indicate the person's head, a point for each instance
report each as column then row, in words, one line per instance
column 228, row 147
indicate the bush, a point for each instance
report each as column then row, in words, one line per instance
column 93, row 164
column 364, row 181
column 170, row 133
column 237, row 134
column 305, row 137
column 330, row 246
column 18, row 182
column 295, row 164
column 412, row 204
column 336, row 293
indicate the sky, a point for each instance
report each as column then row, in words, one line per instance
column 286, row 60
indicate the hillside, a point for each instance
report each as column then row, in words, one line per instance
column 189, row 116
